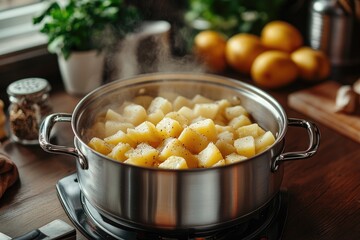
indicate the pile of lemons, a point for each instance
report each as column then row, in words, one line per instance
column 274, row 59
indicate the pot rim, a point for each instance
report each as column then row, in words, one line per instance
column 187, row 76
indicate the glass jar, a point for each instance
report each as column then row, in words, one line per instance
column 29, row 105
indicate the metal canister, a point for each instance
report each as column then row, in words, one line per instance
column 335, row 29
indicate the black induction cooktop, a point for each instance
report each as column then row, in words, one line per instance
column 267, row 224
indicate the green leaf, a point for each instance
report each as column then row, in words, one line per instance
column 47, row 11
column 82, row 24
column 56, row 44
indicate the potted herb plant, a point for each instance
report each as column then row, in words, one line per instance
column 80, row 32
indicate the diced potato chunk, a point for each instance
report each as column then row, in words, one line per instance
column 197, row 119
column 135, row 114
column 225, row 147
column 100, row 146
column 235, row 111
column 219, row 163
column 155, row 117
column 169, row 127
column 261, row 131
column 146, row 132
column 201, row 99
column 120, row 137
column 205, row 127
column 173, row 147
column 178, row 117
column 118, row 152
column 233, row 158
column 174, row 162
column 239, row 121
column 223, row 104
column 123, row 105
column 220, row 129
column 193, row 140
column 160, row 103
column 209, row 156
column 112, row 127
column 206, row 110
column 235, row 100
column 143, row 155
column 181, row 101
column 264, row 141
column 187, row 113
column 249, row 130
column 143, row 100
column 245, row 146
column 219, row 119
column 175, row 132
column 113, row 116
column 226, row 136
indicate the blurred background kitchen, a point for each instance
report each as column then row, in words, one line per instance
column 331, row 26
column 282, row 46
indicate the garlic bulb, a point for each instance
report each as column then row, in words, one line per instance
column 345, row 100
column 356, row 87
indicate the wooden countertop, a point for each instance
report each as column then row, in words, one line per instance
column 324, row 191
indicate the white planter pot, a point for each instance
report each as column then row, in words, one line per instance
column 82, row 72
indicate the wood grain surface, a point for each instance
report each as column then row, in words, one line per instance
column 319, row 103
column 324, row 191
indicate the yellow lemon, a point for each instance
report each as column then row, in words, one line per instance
column 209, row 47
column 241, row 51
column 280, row 35
column 273, row 69
column 313, row 64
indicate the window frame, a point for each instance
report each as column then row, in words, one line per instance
column 17, row 32
column 23, row 52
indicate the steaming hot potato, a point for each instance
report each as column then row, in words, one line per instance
column 178, row 134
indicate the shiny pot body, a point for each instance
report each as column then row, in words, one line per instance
column 199, row 199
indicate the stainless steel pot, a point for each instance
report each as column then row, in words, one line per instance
column 199, row 199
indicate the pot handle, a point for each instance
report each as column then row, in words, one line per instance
column 314, row 141
column 44, row 138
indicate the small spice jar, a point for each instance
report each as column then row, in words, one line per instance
column 29, row 105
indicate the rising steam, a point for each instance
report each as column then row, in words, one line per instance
column 147, row 51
